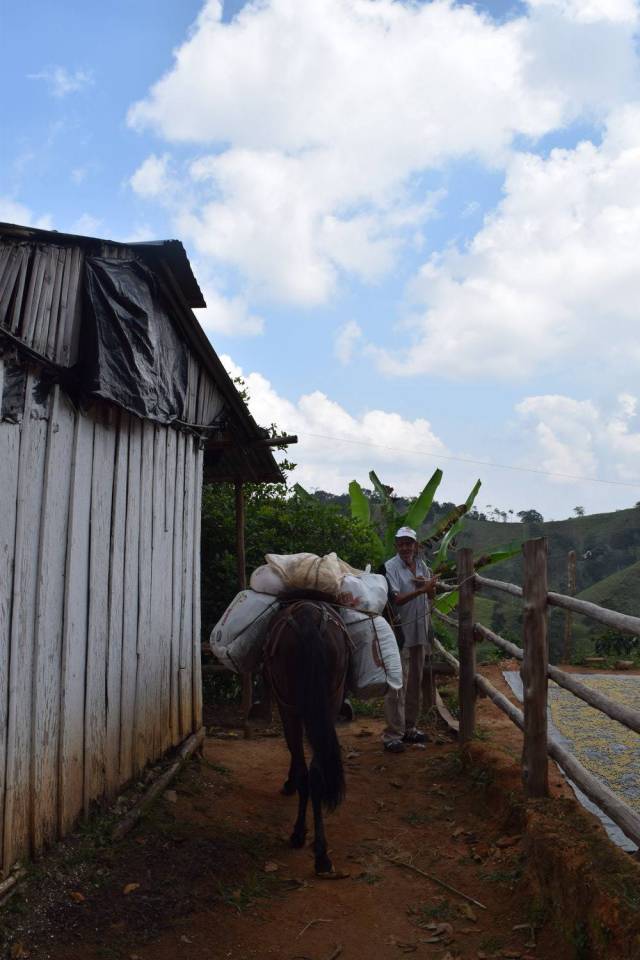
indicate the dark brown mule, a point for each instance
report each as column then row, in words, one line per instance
column 306, row 661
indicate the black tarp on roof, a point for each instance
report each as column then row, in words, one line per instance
column 137, row 362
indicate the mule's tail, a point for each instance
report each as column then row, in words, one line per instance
column 315, row 707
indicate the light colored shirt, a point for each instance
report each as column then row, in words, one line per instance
column 412, row 616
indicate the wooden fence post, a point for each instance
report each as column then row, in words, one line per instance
column 534, row 669
column 568, row 616
column 241, row 568
column 466, row 646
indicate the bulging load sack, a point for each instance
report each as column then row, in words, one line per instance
column 375, row 658
column 370, row 591
column 306, row 571
column 238, row 637
column 267, row 579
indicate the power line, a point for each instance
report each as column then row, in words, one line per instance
column 481, row 463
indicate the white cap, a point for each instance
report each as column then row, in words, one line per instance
column 406, row 532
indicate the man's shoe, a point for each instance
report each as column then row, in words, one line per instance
column 414, row 736
column 394, row 746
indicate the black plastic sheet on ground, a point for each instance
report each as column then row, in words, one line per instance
column 131, row 352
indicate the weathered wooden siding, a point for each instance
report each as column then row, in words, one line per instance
column 99, row 604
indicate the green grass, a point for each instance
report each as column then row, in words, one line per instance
column 416, row 819
column 245, row 895
column 369, row 878
column 368, row 708
column 425, row 913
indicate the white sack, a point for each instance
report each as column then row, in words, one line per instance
column 267, row 579
column 306, row 571
column 370, row 591
column 375, row 658
column 238, row 637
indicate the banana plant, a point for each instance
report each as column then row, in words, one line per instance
column 446, row 602
column 391, row 517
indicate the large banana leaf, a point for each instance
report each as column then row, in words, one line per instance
column 447, row 569
column 441, row 556
column 446, row 602
column 360, row 509
column 420, row 507
column 391, row 518
column 302, row 493
column 380, row 488
column 472, row 496
column 439, row 529
column 504, row 553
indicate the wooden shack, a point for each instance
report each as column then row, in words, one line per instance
column 111, row 398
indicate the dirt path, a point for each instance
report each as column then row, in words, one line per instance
column 210, row 874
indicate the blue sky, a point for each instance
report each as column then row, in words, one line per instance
column 416, row 224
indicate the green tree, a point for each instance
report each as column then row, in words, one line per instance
column 276, row 521
column 530, row 516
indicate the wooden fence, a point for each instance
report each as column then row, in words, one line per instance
column 535, row 673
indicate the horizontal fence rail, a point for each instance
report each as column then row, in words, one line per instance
column 536, row 671
column 497, row 585
column 610, row 618
column 627, row 716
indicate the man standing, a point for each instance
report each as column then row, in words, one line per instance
column 411, row 583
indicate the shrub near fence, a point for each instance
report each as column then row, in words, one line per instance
column 535, row 672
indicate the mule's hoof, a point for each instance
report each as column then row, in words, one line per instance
column 332, row 874
column 288, row 788
column 297, row 840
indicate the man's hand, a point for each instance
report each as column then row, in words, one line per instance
column 426, row 585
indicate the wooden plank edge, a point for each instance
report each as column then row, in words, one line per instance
column 185, row 750
column 11, row 885
column 446, row 716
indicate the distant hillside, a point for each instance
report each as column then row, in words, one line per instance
column 607, row 569
column 619, row 591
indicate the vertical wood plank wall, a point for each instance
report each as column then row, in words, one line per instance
column 99, row 605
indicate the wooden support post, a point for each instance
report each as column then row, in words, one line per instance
column 428, row 687
column 241, row 567
column 534, row 669
column 466, row 646
column 568, row 616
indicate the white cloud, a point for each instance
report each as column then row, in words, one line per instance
column 230, row 316
column 580, row 438
column 591, row 11
column 551, row 278
column 553, row 434
column 79, row 174
column 61, row 81
column 316, row 116
column 86, row 225
column 153, row 177
column 335, row 446
column 346, row 341
column 13, row 212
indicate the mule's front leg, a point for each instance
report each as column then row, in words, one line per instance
column 323, row 863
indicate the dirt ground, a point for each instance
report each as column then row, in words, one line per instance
column 209, row 873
